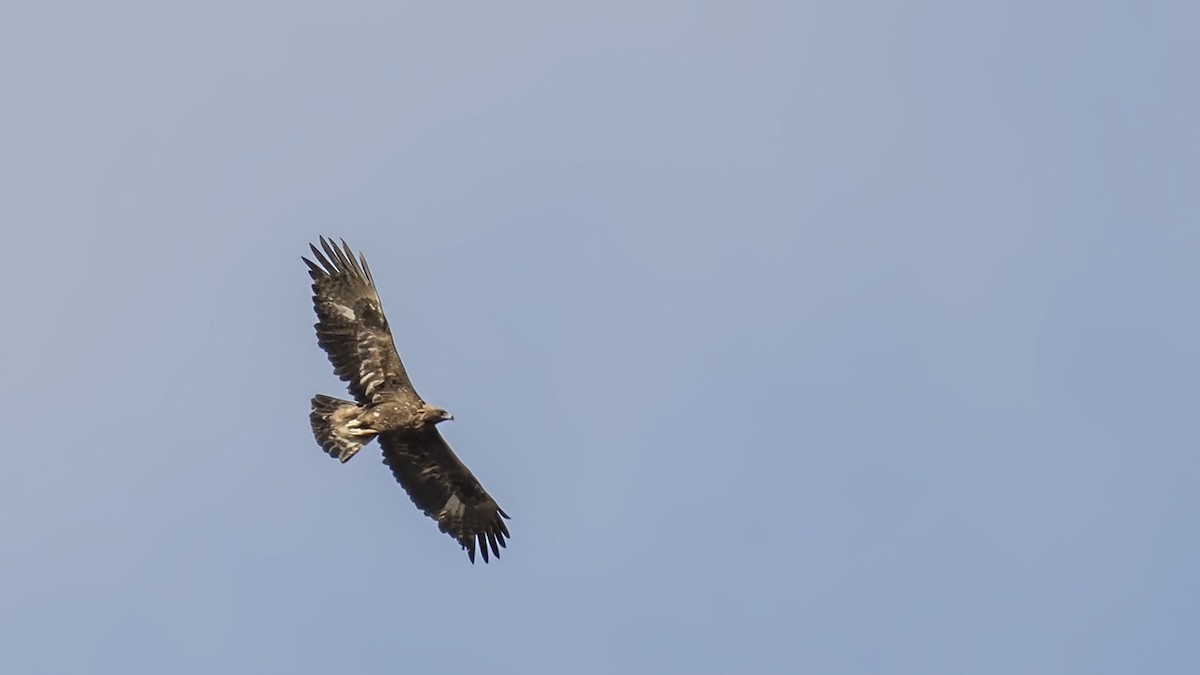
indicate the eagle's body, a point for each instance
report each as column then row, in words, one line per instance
column 353, row 331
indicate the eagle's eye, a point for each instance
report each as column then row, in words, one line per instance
column 445, row 415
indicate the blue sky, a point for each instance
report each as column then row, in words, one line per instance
column 829, row 338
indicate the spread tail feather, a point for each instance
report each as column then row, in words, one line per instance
column 336, row 427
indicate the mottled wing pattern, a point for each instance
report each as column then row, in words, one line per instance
column 351, row 327
column 442, row 486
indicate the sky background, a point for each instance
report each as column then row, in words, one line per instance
column 836, row 337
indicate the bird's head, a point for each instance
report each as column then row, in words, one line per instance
column 434, row 415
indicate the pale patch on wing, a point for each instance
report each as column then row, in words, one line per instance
column 376, row 368
column 453, row 508
column 346, row 312
column 371, row 380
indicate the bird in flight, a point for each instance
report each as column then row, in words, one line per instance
column 354, row 333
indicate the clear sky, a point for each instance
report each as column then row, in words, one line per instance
column 837, row 337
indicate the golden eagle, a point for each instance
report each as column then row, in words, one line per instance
column 353, row 331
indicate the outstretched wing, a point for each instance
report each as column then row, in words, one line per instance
column 444, row 488
column 351, row 327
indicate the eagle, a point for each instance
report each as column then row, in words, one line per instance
column 354, row 333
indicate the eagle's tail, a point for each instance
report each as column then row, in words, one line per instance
column 336, row 427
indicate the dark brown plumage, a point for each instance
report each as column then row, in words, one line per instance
column 353, row 331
